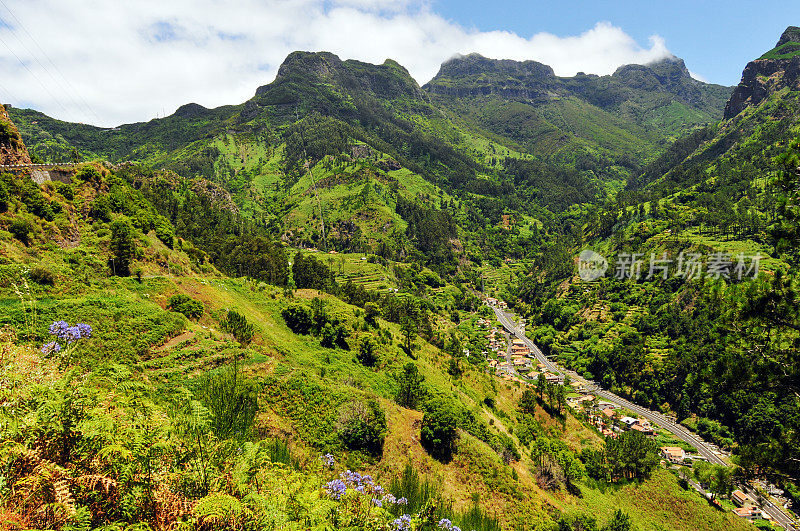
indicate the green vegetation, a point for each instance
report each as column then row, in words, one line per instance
column 284, row 301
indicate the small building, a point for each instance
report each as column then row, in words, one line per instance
column 609, row 412
column 646, row 430
column 673, row 454
column 630, row 421
column 750, row 513
column 742, row 500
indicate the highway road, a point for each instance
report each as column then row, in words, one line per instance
column 703, row 448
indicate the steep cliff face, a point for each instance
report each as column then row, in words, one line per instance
column 12, row 149
column 775, row 70
column 649, row 86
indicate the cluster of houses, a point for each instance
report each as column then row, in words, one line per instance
column 608, row 420
column 515, row 361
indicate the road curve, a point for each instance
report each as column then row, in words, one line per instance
column 677, row 430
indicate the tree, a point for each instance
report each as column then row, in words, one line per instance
column 527, row 403
column 236, row 324
column 298, row 318
column 632, row 455
column 334, row 335
column 122, row 246
column 541, row 384
column 371, row 313
column 409, row 329
column 620, row 521
column 411, row 392
column 438, row 433
column 362, row 426
column 367, row 352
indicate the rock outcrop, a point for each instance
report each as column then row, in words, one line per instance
column 766, row 76
column 12, row 149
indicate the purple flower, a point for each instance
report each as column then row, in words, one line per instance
column 336, row 489
column 328, row 461
column 63, row 331
column 402, row 501
column 50, row 348
column 389, row 498
column 377, row 502
column 403, row 523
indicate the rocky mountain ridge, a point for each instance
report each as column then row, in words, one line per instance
column 767, row 75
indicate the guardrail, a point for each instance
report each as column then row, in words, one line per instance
column 37, row 166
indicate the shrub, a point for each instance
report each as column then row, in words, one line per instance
column 65, row 190
column 438, row 434
column 191, row 308
column 362, row 426
column 298, row 319
column 236, row 324
column 367, row 352
column 43, row 276
column 3, row 197
column 21, row 228
column 231, row 401
column 334, row 335
column 164, row 232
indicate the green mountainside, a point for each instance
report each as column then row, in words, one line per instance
column 284, row 300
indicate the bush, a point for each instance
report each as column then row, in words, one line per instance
column 334, row 335
column 367, row 352
column 362, row 426
column 21, row 228
column 191, row 308
column 164, row 232
column 3, row 197
column 43, row 276
column 438, row 434
column 236, row 324
column 298, row 318
column 231, row 400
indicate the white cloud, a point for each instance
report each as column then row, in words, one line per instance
column 129, row 61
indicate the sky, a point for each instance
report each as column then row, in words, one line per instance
column 112, row 62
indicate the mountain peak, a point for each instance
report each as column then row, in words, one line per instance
column 476, row 64
column 792, row 34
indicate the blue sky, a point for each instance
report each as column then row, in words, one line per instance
column 715, row 38
column 114, row 62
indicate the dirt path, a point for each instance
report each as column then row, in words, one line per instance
column 175, row 341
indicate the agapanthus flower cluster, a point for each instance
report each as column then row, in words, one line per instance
column 361, row 484
column 447, row 525
column 70, row 334
column 403, row 523
column 48, row 349
column 328, row 461
column 336, row 489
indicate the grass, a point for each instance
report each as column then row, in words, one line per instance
column 657, row 504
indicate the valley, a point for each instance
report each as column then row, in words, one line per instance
column 355, row 302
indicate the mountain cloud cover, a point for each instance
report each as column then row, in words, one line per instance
column 108, row 63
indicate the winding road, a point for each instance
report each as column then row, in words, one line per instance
column 703, row 448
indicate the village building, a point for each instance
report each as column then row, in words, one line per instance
column 740, row 499
column 673, row 454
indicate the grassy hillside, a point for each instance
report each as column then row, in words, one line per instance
column 128, row 425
